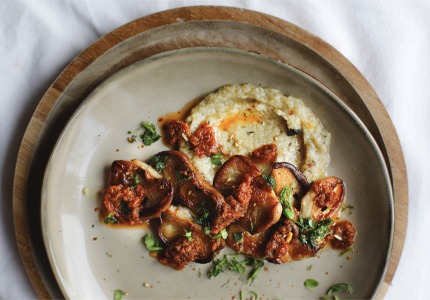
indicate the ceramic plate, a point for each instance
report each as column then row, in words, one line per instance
column 91, row 260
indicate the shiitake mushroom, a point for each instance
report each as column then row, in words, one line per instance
column 133, row 195
column 192, row 191
column 184, row 240
column 324, row 199
column 287, row 175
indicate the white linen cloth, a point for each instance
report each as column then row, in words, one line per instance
column 387, row 40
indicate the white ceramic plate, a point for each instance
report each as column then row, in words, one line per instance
column 91, row 260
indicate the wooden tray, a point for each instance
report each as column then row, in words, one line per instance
column 180, row 28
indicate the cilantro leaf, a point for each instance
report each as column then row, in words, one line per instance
column 270, row 180
column 216, row 159
column 310, row 283
column 110, row 219
column 152, row 243
column 158, row 163
column 150, row 135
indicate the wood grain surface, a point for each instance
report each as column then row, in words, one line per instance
column 181, row 28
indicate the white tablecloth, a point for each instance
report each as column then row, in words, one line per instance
column 387, row 40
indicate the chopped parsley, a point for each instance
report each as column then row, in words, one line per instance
column 347, row 252
column 340, row 287
column 188, row 235
column 158, row 163
column 110, row 219
column 345, row 207
column 216, row 159
column 150, row 135
column 285, row 199
column 231, row 262
column 223, row 234
column 270, row 180
column 313, row 233
column 203, row 217
column 135, row 181
column 256, row 265
column 237, row 237
column 117, row 294
column 152, row 243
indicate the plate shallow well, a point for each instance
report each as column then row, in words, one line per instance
column 91, row 260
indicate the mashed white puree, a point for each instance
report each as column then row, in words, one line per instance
column 246, row 117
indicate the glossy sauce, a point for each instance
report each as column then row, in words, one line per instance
column 243, row 118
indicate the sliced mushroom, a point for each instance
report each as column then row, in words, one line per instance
column 324, row 199
column 185, row 241
column 232, row 173
column 284, row 245
column 122, row 172
column 287, row 175
column 243, row 242
column 264, row 208
column 150, row 171
column 134, row 196
column 195, row 193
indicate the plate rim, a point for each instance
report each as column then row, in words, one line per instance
column 168, row 54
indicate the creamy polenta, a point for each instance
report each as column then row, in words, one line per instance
column 246, row 117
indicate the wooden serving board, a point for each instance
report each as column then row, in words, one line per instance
column 181, row 28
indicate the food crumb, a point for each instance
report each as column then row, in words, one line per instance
column 147, row 285
column 125, row 293
column 85, row 191
column 95, row 238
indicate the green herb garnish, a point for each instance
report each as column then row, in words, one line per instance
column 216, row 159
column 311, row 232
column 256, row 265
column 152, row 243
column 285, row 199
column 237, row 237
column 117, row 294
column 270, row 180
column 188, row 235
column 135, row 181
column 150, row 135
column 345, row 207
column 340, row 287
column 346, row 252
column 203, row 217
column 158, row 163
column 310, row 283
column 228, row 262
column 110, row 219
column 223, row 234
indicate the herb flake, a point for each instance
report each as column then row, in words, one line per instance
column 270, row 180
column 110, row 219
column 117, row 294
column 310, row 283
column 150, row 135
column 340, row 287
column 216, row 159
column 152, row 243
